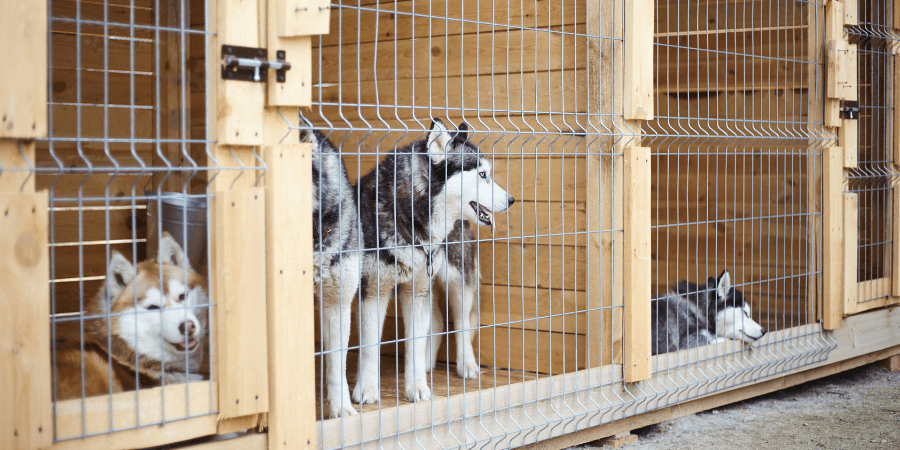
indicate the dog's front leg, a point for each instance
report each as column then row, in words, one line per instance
column 338, row 296
column 416, row 307
column 462, row 302
column 372, row 309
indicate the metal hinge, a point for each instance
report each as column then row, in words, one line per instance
column 250, row 64
column 849, row 109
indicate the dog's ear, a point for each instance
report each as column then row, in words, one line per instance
column 723, row 285
column 438, row 140
column 307, row 133
column 119, row 274
column 463, row 131
column 170, row 252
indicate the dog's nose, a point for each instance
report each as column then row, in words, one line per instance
column 511, row 200
column 187, row 328
column 763, row 333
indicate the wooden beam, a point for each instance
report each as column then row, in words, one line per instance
column 895, row 237
column 636, row 264
column 851, row 76
column 638, row 76
column 301, row 17
column 290, row 297
column 851, row 250
column 851, row 12
column 836, row 66
column 834, row 21
column 289, row 24
column 833, row 237
column 27, row 419
column 239, row 104
column 239, row 280
column 848, row 139
column 23, row 85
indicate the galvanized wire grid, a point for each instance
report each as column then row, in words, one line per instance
column 516, row 74
column 126, row 126
column 737, row 145
column 872, row 180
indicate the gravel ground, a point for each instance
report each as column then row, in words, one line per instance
column 857, row 409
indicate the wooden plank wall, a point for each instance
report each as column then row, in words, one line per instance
column 513, row 77
column 730, row 186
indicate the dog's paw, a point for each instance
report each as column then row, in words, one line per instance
column 719, row 340
column 181, row 377
column 418, row 393
column 337, row 411
column 468, row 370
column 366, row 394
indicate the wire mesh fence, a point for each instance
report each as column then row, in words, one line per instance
column 872, row 180
column 130, row 178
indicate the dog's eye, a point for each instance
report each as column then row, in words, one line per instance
column 181, row 297
column 152, row 307
column 482, row 174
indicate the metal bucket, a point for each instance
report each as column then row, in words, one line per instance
column 176, row 211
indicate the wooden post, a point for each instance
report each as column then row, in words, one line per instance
column 895, row 235
column 833, row 237
column 27, row 419
column 851, row 225
column 239, row 104
column 290, row 298
column 851, row 12
column 834, row 32
column 289, row 24
column 896, row 88
column 638, row 77
column 637, row 264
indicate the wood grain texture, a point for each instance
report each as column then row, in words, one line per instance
column 638, row 74
column 296, row 18
column 290, row 298
column 851, row 12
column 16, row 156
column 240, row 299
column 848, row 139
column 851, row 249
column 834, row 21
column 239, row 104
column 636, row 265
column 833, row 237
column 290, row 22
column 23, row 86
column 27, row 420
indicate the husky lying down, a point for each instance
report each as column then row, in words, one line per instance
column 156, row 326
column 701, row 314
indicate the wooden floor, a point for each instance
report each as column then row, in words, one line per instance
column 444, row 381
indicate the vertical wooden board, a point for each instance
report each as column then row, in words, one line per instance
column 239, row 104
column 895, row 246
column 296, row 89
column 23, row 84
column 851, row 73
column 16, row 157
column 833, row 237
column 836, row 68
column 302, row 17
column 636, row 265
column 896, row 85
column 851, row 12
column 833, row 113
column 848, row 139
column 27, row 420
column 240, row 280
column 289, row 289
column 851, row 246
column 638, row 76
column 834, row 21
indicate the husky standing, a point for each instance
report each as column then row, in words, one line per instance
column 461, row 279
column 335, row 263
column 138, row 327
column 700, row 314
column 408, row 206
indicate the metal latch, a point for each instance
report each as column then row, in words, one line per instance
column 250, row 64
column 849, row 109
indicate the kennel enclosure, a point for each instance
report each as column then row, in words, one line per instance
column 645, row 143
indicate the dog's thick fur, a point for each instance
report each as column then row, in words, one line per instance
column 408, row 206
column 336, row 262
column 460, row 280
column 138, row 326
column 700, row 314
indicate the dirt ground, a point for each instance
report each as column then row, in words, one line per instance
column 857, row 409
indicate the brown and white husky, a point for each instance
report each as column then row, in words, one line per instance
column 146, row 324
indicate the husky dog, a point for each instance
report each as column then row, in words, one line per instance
column 700, row 314
column 155, row 326
column 336, row 262
column 460, row 279
column 408, row 206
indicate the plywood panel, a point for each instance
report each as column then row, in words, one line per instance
column 551, row 267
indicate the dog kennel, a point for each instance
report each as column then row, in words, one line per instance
column 645, row 143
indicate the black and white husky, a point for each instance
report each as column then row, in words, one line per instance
column 700, row 314
column 408, row 206
column 336, row 262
